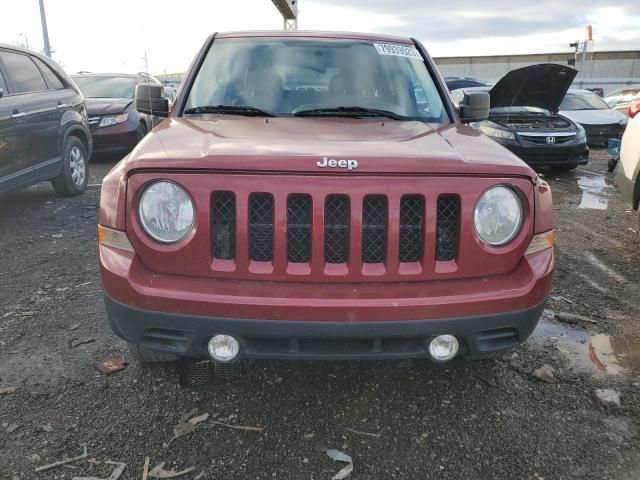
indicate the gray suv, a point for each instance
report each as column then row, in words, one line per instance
column 44, row 130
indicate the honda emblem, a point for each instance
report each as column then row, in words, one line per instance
column 551, row 140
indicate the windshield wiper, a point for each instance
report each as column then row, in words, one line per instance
column 350, row 112
column 231, row 110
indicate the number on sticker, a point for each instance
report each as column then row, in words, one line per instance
column 397, row 50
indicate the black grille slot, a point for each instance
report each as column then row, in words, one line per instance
column 411, row 228
column 299, row 228
column 224, row 225
column 336, row 229
column 374, row 229
column 447, row 233
column 261, row 227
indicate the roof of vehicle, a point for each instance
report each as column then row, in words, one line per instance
column 19, row 49
column 315, row 34
column 454, row 77
column 485, row 88
column 47, row 60
column 94, row 74
column 579, row 91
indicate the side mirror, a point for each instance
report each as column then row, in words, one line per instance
column 150, row 99
column 474, row 107
column 1, row 92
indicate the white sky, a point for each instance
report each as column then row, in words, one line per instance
column 113, row 35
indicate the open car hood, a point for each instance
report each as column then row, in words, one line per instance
column 542, row 86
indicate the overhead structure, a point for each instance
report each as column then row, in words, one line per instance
column 289, row 11
column 584, row 53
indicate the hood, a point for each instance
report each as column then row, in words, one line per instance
column 107, row 106
column 542, row 86
column 296, row 145
column 594, row 117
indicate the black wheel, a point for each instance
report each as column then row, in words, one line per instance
column 73, row 178
column 145, row 355
column 141, row 132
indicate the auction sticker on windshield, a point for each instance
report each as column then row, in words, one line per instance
column 397, row 50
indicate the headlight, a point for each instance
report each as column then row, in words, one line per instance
column 492, row 130
column 166, row 212
column 114, row 120
column 582, row 135
column 498, row 216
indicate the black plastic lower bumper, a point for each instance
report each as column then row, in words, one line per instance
column 187, row 335
column 552, row 156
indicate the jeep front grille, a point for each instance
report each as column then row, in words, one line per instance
column 374, row 229
column 261, row 227
column 336, row 229
column 411, row 228
column 447, row 230
column 299, row 228
column 224, row 225
column 408, row 242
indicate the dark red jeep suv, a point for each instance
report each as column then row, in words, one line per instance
column 317, row 195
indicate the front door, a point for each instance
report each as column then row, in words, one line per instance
column 41, row 118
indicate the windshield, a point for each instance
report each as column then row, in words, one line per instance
column 106, row 87
column 287, row 77
column 574, row 101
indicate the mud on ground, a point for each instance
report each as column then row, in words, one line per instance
column 481, row 420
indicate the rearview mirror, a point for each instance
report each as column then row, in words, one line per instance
column 474, row 107
column 150, row 99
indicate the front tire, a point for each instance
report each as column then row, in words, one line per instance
column 72, row 179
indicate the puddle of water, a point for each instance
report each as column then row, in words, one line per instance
column 586, row 353
column 592, row 191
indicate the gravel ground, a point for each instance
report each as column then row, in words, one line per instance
column 481, row 420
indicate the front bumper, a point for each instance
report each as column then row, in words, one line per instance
column 187, row 335
column 178, row 314
column 121, row 138
column 560, row 155
column 600, row 134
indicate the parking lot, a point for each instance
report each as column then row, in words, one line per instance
column 409, row 419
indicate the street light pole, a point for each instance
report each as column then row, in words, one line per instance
column 45, row 31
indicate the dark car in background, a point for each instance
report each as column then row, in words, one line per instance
column 116, row 125
column 454, row 83
column 600, row 121
column 524, row 116
column 44, row 129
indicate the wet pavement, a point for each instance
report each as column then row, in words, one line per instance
column 582, row 188
column 396, row 420
column 588, row 352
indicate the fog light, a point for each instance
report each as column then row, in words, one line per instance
column 223, row 348
column 444, row 347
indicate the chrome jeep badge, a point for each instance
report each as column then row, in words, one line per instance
column 333, row 163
